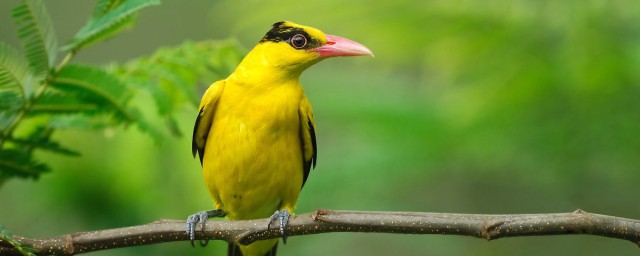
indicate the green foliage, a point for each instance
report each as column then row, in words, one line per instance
column 171, row 75
column 14, row 73
column 109, row 18
column 92, row 86
column 37, row 35
column 38, row 99
column 21, row 164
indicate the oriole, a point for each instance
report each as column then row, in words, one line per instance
column 255, row 132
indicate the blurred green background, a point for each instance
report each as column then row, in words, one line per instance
column 526, row 106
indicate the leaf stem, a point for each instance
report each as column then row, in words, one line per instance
column 64, row 62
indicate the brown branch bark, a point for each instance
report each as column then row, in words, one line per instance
column 323, row 221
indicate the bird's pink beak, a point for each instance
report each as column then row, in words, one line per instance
column 339, row 46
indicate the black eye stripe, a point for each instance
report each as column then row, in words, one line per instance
column 282, row 33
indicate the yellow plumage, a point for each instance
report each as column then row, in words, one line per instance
column 255, row 132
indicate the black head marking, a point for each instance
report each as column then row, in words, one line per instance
column 281, row 32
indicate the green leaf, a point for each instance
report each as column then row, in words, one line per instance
column 14, row 78
column 41, row 139
column 109, row 18
column 114, row 29
column 81, row 122
column 6, row 119
column 95, row 86
column 172, row 76
column 61, row 103
column 37, row 35
column 20, row 164
column 104, row 6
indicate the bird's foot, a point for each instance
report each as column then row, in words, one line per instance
column 201, row 217
column 283, row 216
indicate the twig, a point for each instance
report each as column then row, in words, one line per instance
column 489, row 227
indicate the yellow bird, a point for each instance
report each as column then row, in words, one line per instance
column 255, row 132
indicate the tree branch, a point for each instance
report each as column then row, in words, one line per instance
column 489, row 227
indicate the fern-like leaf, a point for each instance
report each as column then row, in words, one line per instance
column 60, row 103
column 109, row 18
column 104, row 6
column 18, row 163
column 40, row 138
column 15, row 78
column 95, row 122
column 92, row 85
column 37, row 35
column 173, row 76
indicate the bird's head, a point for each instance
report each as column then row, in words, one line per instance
column 295, row 47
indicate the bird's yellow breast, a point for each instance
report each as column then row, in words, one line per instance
column 253, row 157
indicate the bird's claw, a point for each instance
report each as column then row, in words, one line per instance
column 201, row 217
column 283, row 216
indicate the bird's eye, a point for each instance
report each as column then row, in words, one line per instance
column 298, row 41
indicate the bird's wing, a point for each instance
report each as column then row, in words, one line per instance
column 205, row 118
column 308, row 136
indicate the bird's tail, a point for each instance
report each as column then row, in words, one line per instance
column 234, row 250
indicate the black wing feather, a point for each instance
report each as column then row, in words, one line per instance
column 313, row 160
column 194, row 146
